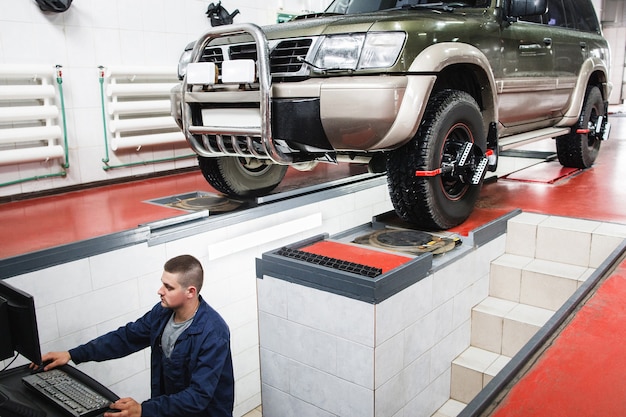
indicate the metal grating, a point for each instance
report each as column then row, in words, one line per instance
column 284, row 58
column 243, row 51
column 214, row 55
column 346, row 266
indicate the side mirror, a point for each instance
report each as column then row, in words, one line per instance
column 522, row 8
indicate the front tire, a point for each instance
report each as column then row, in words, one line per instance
column 580, row 150
column 241, row 177
column 452, row 118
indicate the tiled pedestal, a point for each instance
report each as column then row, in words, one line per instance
column 336, row 345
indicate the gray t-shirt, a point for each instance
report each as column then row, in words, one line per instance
column 171, row 332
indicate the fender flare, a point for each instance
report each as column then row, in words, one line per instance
column 436, row 58
column 590, row 67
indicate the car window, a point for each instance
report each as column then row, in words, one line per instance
column 583, row 15
column 572, row 14
column 556, row 14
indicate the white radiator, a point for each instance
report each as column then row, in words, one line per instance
column 138, row 106
column 30, row 117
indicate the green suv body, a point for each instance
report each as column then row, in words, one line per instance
column 428, row 92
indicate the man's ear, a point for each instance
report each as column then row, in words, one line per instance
column 192, row 291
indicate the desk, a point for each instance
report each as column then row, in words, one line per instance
column 11, row 380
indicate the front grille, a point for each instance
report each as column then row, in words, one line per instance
column 284, row 56
column 244, row 51
column 214, row 55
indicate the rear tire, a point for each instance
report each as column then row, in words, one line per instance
column 451, row 119
column 241, row 177
column 579, row 150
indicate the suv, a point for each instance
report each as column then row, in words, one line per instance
column 429, row 92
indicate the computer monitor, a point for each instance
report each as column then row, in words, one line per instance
column 18, row 324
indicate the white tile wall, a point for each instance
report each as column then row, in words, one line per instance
column 403, row 309
column 388, row 360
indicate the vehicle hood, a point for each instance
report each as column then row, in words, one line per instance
column 426, row 20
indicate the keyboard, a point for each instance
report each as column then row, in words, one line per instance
column 72, row 395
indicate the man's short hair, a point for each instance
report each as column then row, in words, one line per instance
column 188, row 269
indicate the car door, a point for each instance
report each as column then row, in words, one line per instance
column 526, row 78
column 569, row 46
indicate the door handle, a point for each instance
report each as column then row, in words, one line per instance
column 547, row 41
column 583, row 45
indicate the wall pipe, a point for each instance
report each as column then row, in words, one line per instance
column 38, row 177
column 153, row 161
column 107, row 159
column 65, row 165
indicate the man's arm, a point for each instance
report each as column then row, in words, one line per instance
column 118, row 343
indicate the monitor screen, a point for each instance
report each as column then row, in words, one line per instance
column 19, row 323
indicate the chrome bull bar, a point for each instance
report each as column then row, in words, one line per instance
column 256, row 142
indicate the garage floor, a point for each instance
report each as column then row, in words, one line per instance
column 46, row 222
column 581, row 374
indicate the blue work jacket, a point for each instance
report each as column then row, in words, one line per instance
column 197, row 379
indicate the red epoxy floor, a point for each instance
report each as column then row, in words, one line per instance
column 582, row 372
column 581, row 375
column 51, row 221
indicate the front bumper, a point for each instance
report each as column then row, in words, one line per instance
column 290, row 122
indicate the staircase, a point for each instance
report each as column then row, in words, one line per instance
column 547, row 258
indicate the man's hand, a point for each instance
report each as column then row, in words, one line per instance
column 53, row 360
column 127, row 406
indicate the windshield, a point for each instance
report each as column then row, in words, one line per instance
column 365, row 6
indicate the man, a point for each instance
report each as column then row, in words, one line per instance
column 192, row 371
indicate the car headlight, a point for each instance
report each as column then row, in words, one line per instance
column 359, row 51
column 185, row 59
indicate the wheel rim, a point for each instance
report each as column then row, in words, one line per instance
column 451, row 183
column 592, row 139
column 252, row 167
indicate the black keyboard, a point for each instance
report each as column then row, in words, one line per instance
column 73, row 396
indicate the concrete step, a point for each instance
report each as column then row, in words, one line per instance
column 546, row 259
column 503, row 326
column 472, row 370
column 560, row 239
column 450, row 408
column 537, row 282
